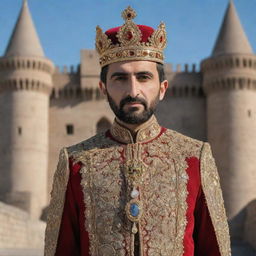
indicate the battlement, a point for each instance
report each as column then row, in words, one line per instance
column 187, row 68
column 24, row 84
column 185, row 91
column 230, row 83
column 229, row 61
column 85, row 94
column 39, row 64
column 67, row 69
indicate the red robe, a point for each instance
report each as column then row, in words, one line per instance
column 199, row 236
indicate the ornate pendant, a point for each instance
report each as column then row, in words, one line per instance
column 134, row 210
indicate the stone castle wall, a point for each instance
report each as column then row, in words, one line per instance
column 18, row 231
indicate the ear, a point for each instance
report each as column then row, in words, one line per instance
column 163, row 87
column 102, row 87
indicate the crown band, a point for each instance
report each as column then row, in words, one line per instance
column 133, row 53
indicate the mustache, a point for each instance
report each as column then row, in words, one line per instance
column 129, row 99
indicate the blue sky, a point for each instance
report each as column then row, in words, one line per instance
column 65, row 27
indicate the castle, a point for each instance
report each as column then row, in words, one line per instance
column 43, row 109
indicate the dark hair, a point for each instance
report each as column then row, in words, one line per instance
column 159, row 67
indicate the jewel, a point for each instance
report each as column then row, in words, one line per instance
column 135, row 193
column 134, row 228
column 134, row 210
column 129, row 35
column 131, row 53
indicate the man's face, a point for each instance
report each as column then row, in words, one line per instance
column 133, row 90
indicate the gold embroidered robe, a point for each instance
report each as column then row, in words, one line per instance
column 179, row 193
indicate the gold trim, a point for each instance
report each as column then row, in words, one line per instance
column 56, row 206
column 145, row 132
column 214, row 199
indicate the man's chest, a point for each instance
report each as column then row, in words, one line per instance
column 158, row 175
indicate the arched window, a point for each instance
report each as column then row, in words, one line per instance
column 103, row 124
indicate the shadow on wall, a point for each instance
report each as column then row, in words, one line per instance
column 244, row 243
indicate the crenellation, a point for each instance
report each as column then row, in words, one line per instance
column 88, row 94
column 24, row 84
column 178, row 68
column 25, row 63
column 229, row 61
column 67, row 69
column 191, row 90
column 186, row 68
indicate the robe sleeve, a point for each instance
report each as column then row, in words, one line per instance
column 65, row 231
column 73, row 238
column 204, row 236
column 211, row 227
column 55, row 208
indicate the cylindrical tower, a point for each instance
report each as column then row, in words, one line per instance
column 25, row 85
column 229, row 81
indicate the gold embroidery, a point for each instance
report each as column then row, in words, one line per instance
column 54, row 216
column 213, row 194
column 103, row 187
column 163, row 194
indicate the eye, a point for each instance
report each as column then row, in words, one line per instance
column 120, row 78
column 143, row 77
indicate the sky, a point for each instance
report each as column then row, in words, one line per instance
column 65, row 27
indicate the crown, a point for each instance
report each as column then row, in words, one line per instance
column 131, row 41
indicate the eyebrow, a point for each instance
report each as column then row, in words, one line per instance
column 126, row 74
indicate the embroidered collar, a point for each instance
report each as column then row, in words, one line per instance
column 145, row 132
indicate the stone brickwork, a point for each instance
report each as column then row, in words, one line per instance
column 18, row 230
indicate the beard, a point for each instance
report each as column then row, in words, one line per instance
column 131, row 116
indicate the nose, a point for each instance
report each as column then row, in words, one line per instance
column 133, row 87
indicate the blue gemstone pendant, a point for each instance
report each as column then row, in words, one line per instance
column 134, row 210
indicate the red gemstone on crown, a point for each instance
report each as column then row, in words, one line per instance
column 129, row 35
column 131, row 53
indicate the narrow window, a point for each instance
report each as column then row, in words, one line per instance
column 249, row 113
column 70, row 129
column 19, row 130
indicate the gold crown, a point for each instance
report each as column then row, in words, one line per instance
column 130, row 45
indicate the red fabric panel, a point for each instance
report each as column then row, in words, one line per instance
column 73, row 239
column 146, row 32
column 199, row 239
column 193, row 189
column 204, row 235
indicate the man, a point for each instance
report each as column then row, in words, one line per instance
column 139, row 188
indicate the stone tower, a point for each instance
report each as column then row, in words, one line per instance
column 25, row 85
column 229, row 81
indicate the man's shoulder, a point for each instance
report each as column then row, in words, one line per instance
column 97, row 141
column 183, row 142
